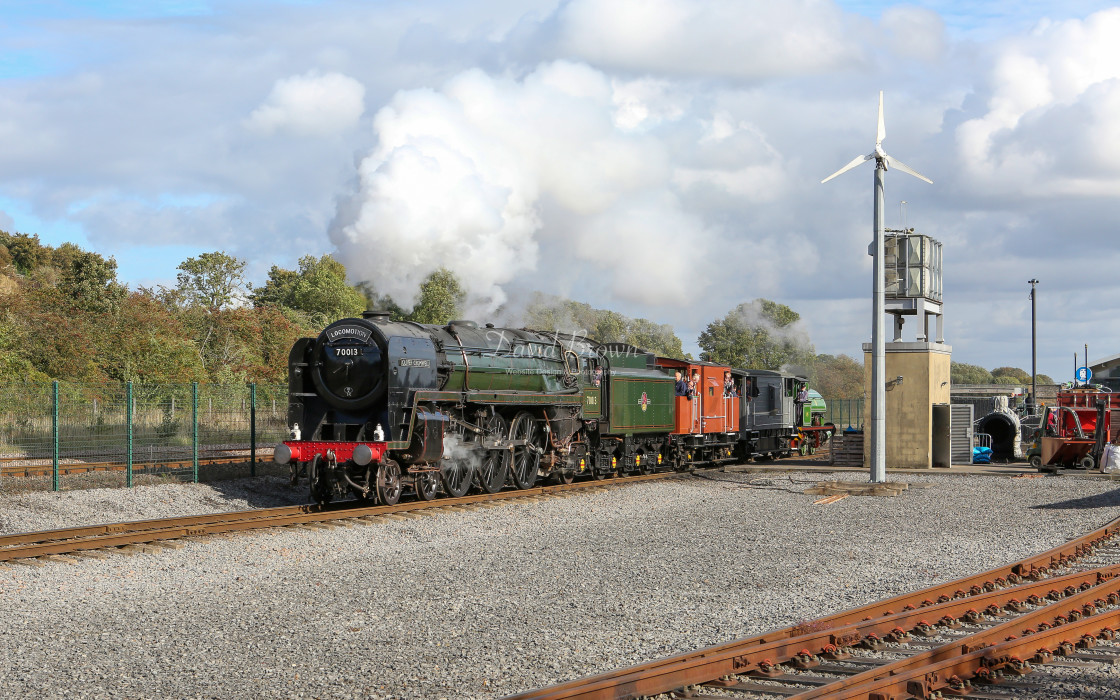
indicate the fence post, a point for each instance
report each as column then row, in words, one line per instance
column 54, row 434
column 194, row 428
column 253, row 429
column 128, row 433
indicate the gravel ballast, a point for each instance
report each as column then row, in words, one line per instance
column 487, row 603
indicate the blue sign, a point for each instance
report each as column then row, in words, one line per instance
column 1084, row 374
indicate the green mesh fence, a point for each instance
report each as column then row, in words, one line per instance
column 133, row 431
column 123, row 433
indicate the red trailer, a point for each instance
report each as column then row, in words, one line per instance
column 1087, row 397
column 1073, row 433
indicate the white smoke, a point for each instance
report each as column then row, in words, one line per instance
column 456, row 451
column 461, row 178
column 751, row 315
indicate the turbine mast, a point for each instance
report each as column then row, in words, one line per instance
column 877, row 452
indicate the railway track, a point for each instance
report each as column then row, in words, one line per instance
column 948, row 640
column 33, row 548
column 264, row 454
column 28, row 470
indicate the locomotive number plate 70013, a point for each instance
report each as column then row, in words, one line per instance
column 348, row 352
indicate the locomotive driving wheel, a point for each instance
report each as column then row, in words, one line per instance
column 389, row 482
column 427, row 485
column 527, row 453
column 493, row 469
column 456, row 475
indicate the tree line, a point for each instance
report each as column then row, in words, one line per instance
column 66, row 316
column 961, row 373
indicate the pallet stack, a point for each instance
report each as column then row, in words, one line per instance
column 847, row 450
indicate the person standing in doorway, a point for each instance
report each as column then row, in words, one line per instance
column 681, row 387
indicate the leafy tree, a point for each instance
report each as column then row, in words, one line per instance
column 279, row 289
column 961, row 373
column 59, row 345
column 25, row 251
column 1043, row 379
column 272, row 339
column 47, row 336
column 654, row 337
column 441, row 299
column 549, row 313
column 147, row 342
column 837, row 377
column 778, row 314
column 1016, row 375
column 88, row 280
column 381, row 302
column 213, row 341
column 756, row 335
column 14, row 364
column 555, row 314
column 319, row 291
column 212, row 281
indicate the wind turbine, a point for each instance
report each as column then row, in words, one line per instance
column 878, row 350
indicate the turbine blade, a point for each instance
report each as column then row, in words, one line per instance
column 881, row 133
column 856, row 161
column 894, row 163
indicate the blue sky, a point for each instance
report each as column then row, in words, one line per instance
column 988, row 20
column 581, row 147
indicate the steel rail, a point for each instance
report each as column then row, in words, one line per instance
column 831, row 642
column 624, row 683
column 30, row 470
column 923, row 674
column 66, row 540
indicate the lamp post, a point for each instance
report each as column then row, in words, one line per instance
column 1034, row 352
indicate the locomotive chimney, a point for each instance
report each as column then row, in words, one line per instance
column 374, row 315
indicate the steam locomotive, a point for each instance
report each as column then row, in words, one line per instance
column 380, row 407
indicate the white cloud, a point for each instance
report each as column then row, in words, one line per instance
column 311, row 104
column 735, row 158
column 1049, row 122
column 752, row 39
column 646, row 103
column 914, row 32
